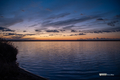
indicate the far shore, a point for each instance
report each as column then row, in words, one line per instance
column 63, row 40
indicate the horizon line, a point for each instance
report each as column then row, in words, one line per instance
column 66, row 40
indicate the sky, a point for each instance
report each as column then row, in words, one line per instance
column 59, row 19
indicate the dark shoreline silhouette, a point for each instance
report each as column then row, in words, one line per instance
column 9, row 68
column 63, row 40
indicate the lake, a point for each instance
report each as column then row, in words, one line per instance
column 70, row 60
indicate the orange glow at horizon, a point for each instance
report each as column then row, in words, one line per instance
column 68, row 37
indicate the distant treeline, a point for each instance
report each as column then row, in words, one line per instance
column 66, row 40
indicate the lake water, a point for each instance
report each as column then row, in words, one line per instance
column 72, row 60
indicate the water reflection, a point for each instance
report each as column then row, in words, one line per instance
column 70, row 60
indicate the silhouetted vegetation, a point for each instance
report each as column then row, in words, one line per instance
column 8, row 52
column 9, row 70
column 8, row 66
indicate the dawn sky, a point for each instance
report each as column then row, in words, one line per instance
column 59, row 19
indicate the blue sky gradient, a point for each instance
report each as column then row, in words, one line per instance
column 36, row 19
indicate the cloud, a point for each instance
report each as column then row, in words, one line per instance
column 112, row 23
column 67, row 22
column 97, row 31
column 29, row 34
column 18, row 35
column 100, row 19
column 2, row 28
column 6, row 22
column 45, row 22
column 82, row 34
column 11, row 34
column 6, row 29
column 117, row 16
column 55, row 34
column 73, row 31
column 62, row 30
column 77, row 34
column 69, row 27
column 117, row 29
column 8, row 34
column 33, row 25
column 14, row 35
column 24, row 31
column 1, row 16
column 52, row 31
column 38, row 30
column 59, row 16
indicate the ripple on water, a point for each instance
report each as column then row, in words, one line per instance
column 70, row 60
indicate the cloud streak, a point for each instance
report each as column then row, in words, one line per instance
column 58, row 16
column 77, row 34
column 52, row 31
column 73, row 31
column 33, row 25
column 117, row 29
column 17, row 36
column 38, row 30
column 3, row 29
column 68, row 27
column 6, row 22
column 67, row 22
column 112, row 23
column 100, row 19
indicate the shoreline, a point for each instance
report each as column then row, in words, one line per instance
column 57, row 40
column 30, row 75
column 9, row 68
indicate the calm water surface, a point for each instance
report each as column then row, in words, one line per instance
column 70, row 60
